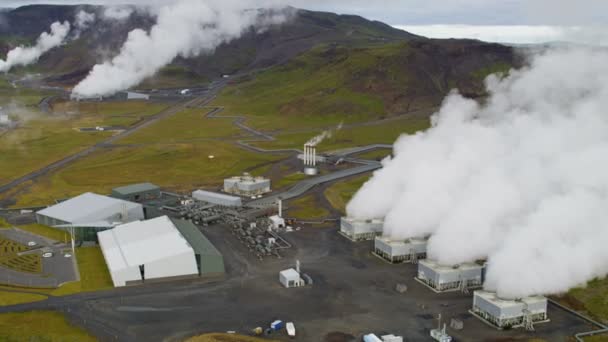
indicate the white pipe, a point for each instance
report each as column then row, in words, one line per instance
column 314, row 156
column 280, row 208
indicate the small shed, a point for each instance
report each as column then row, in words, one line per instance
column 290, row 278
column 277, row 222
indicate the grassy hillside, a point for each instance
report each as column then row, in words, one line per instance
column 334, row 83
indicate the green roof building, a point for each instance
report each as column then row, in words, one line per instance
column 208, row 259
column 137, row 192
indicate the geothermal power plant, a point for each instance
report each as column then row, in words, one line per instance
column 500, row 313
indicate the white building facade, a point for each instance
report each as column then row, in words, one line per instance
column 247, row 185
column 506, row 313
column 449, row 278
column 290, row 278
column 357, row 230
column 146, row 251
column 395, row 251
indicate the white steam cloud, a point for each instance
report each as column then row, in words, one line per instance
column 82, row 21
column 327, row 134
column 521, row 180
column 118, row 13
column 22, row 55
column 185, row 28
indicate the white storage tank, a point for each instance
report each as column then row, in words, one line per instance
column 395, row 251
column 357, row 230
column 509, row 313
column 442, row 278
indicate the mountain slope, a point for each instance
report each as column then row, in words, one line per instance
column 332, row 63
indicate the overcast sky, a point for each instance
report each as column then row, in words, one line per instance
column 535, row 20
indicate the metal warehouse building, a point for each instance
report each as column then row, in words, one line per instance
column 357, row 230
column 247, row 185
column 137, row 192
column 395, row 251
column 446, row 278
column 90, row 213
column 506, row 313
column 158, row 249
column 215, row 198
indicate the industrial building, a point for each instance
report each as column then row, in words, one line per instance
column 141, row 192
column 247, row 185
column 442, row 278
column 507, row 313
column 356, row 229
column 90, row 213
column 395, row 251
column 137, row 96
column 216, row 198
column 291, row 278
column 158, row 249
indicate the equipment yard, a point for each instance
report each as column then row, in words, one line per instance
column 353, row 292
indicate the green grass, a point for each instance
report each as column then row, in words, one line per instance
column 9, row 258
column 13, row 298
column 173, row 76
column 48, row 232
column 94, row 274
column 307, row 208
column 592, row 299
column 187, row 126
column 40, row 142
column 116, row 113
column 178, row 167
column 377, row 154
column 383, row 132
column 4, row 223
column 48, row 326
column 289, row 180
column 319, row 88
column 340, row 193
column 500, row 68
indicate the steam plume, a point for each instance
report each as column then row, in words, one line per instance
column 185, row 28
column 520, row 180
column 82, row 22
column 316, row 140
column 22, row 55
column 118, row 13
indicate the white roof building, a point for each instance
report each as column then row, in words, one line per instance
column 402, row 250
column 277, row 221
column 246, row 185
column 357, row 229
column 90, row 210
column 146, row 250
column 290, row 278
column 509, row 313
column 449, row 277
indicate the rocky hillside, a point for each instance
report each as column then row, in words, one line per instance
column 402, row 70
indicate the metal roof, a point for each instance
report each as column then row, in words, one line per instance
column 142, row 242
column 493, row 298
column 290, row 273
column 195, row 237
column 87, row 207
column 217, row 198
column 135, row 188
